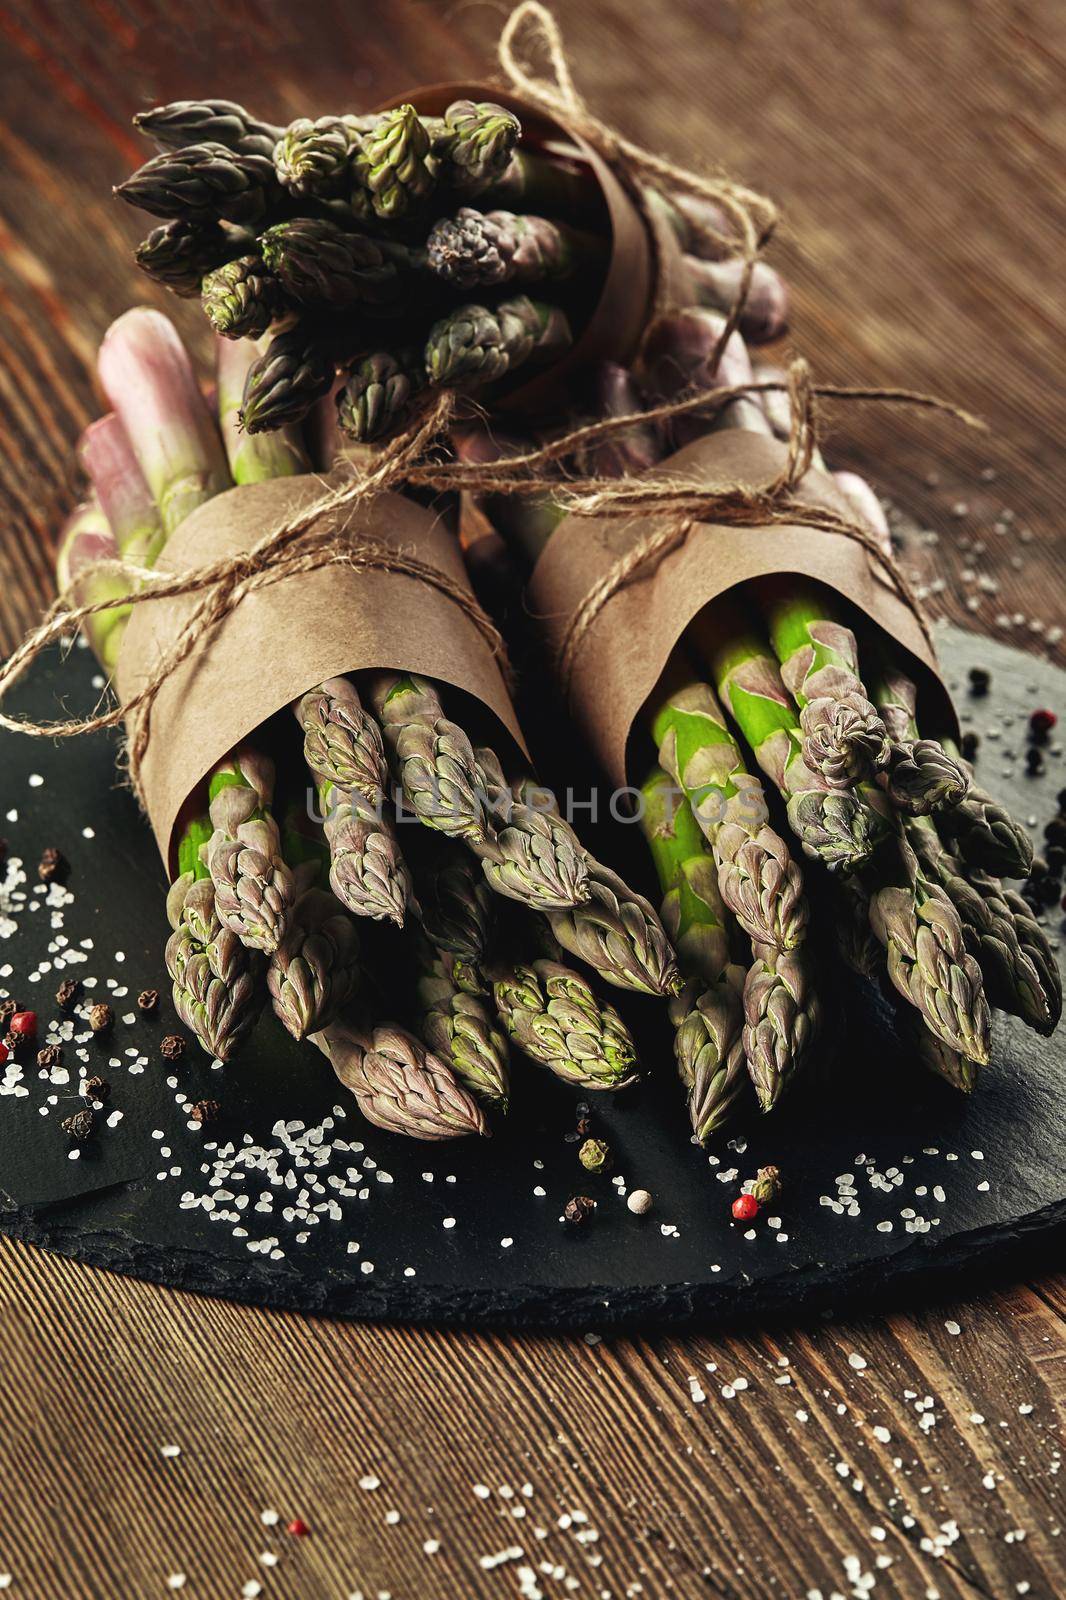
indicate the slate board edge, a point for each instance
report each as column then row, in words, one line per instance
column 964, row 1258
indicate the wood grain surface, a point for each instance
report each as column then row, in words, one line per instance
column 917, row 150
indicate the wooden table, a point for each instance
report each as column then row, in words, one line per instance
column 916, row 150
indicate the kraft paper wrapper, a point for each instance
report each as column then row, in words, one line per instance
column 641, row 271
column 627, row 646
column 285, row 638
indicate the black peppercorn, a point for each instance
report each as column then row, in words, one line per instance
column 578, row 1209
column 172, row 1048
column 980, row 678
column 79, row 1126
column 968, row 745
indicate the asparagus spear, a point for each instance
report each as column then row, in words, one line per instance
column 782, row 1015
column 433, row 758
column 707, row 1015
column 765, row 312
column 342, row 742
column 313, row 159
column 677, row 357
column 474, row 345
column 318, row 264
column 545, row 184
column 616, row 931
column 179, row 253
column 839, row 829
column 204, row 182
column 927, row 957
column 376, row 395
column 398, row 1084
column 845, row 738
column 532, row 855
column 314, row 972
column 394, row 166
column 458, row 1027
column 252, row 458
column 147, row 376
column 1012, row 980
column 84, row 540
column 457, row 914
column 475, row 144
column 984, row 833
column 242, row 297
column 920, row 776
column 554, row 1016
column 759, row 881
column 296, row 369
column 185, row 122
column 254, row 888
column 216, row 979
column 368, row 873
column 136, row 536
column 478, row 248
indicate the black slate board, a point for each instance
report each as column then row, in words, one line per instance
column 981, row 1177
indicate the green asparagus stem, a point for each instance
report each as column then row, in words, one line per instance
column 399, row 1085
column 433, row 758
column 707, row 1015
column 457, row 914
column 920, row 777
column 542, row 184
column 532, row 853
column 555, row 1018
column 85, row 540
column 204, row 183
column 367, row 871
column 296, row 369
column 984, row 833
column 394, row 164
column 782, row 1015
column 475, row 144
column 1012, row 981
column 841, row 830
column 927, row 957
column 458, row 1027
column 242, row 298
column 319, row 265
column 314, row 972
column 216, row 979
column 616, row 931
column 106, row 456
column 476, row 248
column 180, row 254
column 759, row 881
column 313, row 160
column 253, row 458
column 342, row 742
column 147, row 376
column 844, row 737
column 474, row 345
column 223, row 122
column 376, row 397
column 254, row 888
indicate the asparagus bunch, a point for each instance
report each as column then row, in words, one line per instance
column 360, row 243
column 891, row 813
column 373, row 246
column 250, row 908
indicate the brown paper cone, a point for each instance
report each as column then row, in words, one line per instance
column 282, row 640
column 643, row 270
column 625, row 649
